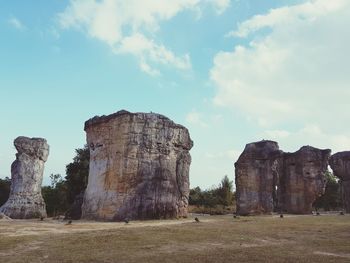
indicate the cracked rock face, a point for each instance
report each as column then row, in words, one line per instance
column 25, row 200
column 268, row 179
column 256, row 176
column 139, row 167
column 302, row 179
column 340, row 164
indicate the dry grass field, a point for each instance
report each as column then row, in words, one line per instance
column 324, row 238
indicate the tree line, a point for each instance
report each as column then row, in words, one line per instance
column 61, row 193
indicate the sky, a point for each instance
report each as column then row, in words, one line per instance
column 232, row 72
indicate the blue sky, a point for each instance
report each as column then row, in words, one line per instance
column 232, row 72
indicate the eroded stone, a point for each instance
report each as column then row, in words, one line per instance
column 139, row 167
column 256, row 177
column 340, row 164
column 302, row 179
column 25, row 199
column 268, row 179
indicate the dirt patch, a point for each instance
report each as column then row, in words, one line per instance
column 22, row 249
column 4, row 217
column 15, row 228
column 341, row 255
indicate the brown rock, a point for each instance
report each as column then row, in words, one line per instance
column 302, row 179
column 340, row 164
column 269, row 180
column 256, row 177
column 139, row 167
column 25, row 200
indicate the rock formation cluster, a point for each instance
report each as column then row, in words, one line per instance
column 139, row 167
column 25, row 200
column 267, row 179
column 340, row 164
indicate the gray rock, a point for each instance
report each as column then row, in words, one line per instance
column 268, row 179
column 25, row 200
column 256, row 177
column 340, row 164
column 139, row 167
column 302, row 179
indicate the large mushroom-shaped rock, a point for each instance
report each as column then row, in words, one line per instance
column 139, row 167
column 256, row 176
column 340, row 164
column 302, row 179
column 25, row 200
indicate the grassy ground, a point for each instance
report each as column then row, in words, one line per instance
column 324, row 238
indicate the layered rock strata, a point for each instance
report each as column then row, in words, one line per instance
column 139, row 167
column 25, row 200
column 340, row 164
column 256, row 177
column 268, row 179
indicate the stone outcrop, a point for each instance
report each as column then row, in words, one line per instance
column 340, row 164
column 139, row 167
column 256, row 177
column 25, row 200
column 302, row 179
column 268, row 179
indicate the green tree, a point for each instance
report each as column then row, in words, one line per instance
column 77, row 173
column 225, row 192
column 210, row 198
column 196, row 196
column 5, row 185
column 55, row 179
column 55, row 196
column 331, row 199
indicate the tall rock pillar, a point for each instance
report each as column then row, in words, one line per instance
column 139, row 167
column 303, row 179
column 256, row 173
column 25, row 200
column 340, row 164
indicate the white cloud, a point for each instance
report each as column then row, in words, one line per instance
column 147, row 50
column 130, row 26
column 307, row 12
column 277, row 134
column 16, row 23
column 220, row 5
column 310, row 134
column 231, row 155
column 298, row 71
column 195, row 118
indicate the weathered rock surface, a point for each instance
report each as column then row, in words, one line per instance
column 302, row 179
column 340, row 164
column 25, row 200
column 256, row 177
column 268, row 179
column 139, row 167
